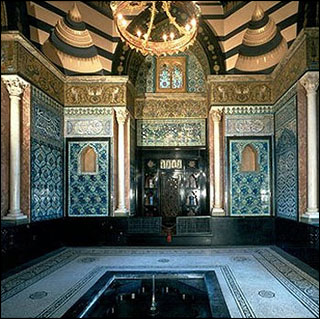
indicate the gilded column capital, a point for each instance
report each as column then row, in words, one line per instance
column 14, row 84
column 310, row 82
column 121, row 114
column 216, row 115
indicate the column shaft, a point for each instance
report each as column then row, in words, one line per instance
column 218, row 207
column 310, row 82
column 121, row 207
column 15, row 87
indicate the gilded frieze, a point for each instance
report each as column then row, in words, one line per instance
column 313, row 44
column 105, row 94
column 8, row 57
column 290, row 72
column 171, row 108
column 35, row 72
column 241, row 92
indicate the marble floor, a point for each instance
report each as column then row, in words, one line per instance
column 256, row 282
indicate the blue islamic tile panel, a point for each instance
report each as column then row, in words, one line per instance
column 156, row 133
column 88, row 194
column 286, row 160
column 46, row 181
column 47, row 119
column 250, row 192
column 47, row 170
column 196, row 79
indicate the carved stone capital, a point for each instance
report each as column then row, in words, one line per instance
column 14, row 84
column 216, row 115
column 310, row 82
column 122, row 115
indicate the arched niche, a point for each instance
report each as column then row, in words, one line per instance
column 249, row 159
column 88, row 160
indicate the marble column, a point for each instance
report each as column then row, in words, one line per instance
column 311, row 82
column 15, row 86
column 122, row 115
column 217, row 209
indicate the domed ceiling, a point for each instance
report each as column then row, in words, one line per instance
column 229, row 24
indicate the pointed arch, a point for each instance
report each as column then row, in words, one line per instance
column 249, row 159
column 88, row 161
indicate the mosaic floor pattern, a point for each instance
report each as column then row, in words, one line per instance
column 257, row 282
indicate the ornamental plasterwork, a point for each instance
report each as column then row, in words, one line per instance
column 8, row 57
column 83, row 111
column 185, row 106
column 35, row 72
column 241, row 92
column 95, row 94
column 14, row 84
column 89, row 127
column 244, row 125
column 248, row 109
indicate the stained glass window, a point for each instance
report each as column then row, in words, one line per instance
column 171, row 75
column 177, row 76
column 165, row 76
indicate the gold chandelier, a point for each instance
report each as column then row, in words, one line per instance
column 145, row 38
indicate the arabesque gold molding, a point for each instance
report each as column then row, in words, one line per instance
column 19, row 56
column 178, row 105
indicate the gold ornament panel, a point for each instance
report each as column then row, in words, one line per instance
column 36, row 73
column 290, row 72
column 171, row 108
column 95, row 94
column 226, row 93
column 9, row 55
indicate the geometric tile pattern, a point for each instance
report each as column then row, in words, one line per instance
column 47, row 181
column 171, row 132
column 47, row 169
column 88, row 194
column 250, row 192
column 286, row 181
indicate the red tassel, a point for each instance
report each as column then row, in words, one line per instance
column 169, row 239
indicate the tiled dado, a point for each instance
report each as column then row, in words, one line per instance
column 88, row 194
column 250, row 192
column 286, row 180
column 47, row 172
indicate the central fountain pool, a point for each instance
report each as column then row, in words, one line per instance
column 150, row 294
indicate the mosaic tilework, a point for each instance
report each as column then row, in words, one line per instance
column 146, row 79
column 286, row 158
column 250, row 191
column 171, row 133
column 88, row 193
column 47, row 186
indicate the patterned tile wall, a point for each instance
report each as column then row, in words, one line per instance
column 157, row 133
column 88, row 194
column 250, row 192
column 286, row 156
column 146, row 79
column 47, row 173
